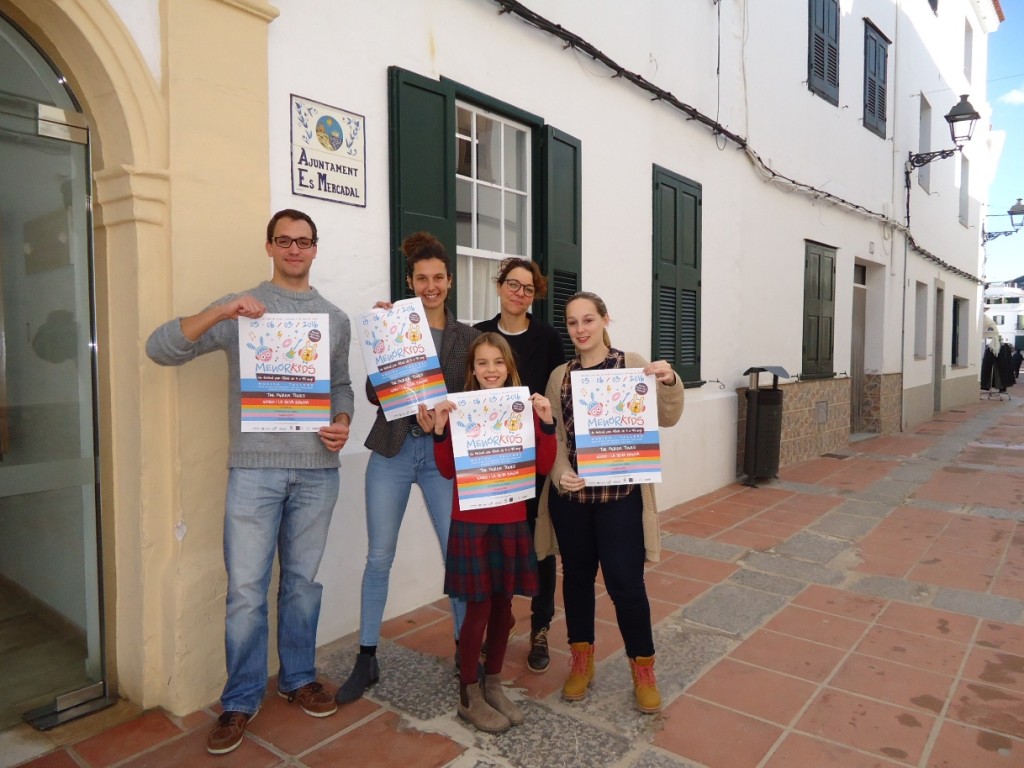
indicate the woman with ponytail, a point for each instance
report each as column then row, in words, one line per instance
column 402, row 454
column 614, row 527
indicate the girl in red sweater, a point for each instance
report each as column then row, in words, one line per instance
column 490, row 551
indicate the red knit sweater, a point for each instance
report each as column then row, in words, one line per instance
column 444, row 457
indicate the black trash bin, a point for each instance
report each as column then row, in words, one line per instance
column 764, row 425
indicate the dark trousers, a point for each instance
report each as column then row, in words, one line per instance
column 609, row 535
column 542, row 605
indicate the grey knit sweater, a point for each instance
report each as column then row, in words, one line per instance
column 167, row 345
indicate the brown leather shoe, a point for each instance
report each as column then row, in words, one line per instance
column 314, row 700
column 538, row 659
column 228, row 732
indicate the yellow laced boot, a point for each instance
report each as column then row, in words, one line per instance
column 581, row 672
column 648, row 698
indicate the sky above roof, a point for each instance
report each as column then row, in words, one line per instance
column 1006, row 95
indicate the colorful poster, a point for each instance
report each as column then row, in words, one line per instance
column 400, row 358
column 494, row 445
column 616, row 418
column 285, row 370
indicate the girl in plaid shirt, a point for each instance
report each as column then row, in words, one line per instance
column 490, row 551
column 615, row 527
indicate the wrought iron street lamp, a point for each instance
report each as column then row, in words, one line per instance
column 1016, row 214
column 961, row 118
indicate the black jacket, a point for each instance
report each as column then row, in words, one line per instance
column 538, row 351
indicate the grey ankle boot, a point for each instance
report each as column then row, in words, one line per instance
column 494, row 694
column 365, row 673
column 478, row 712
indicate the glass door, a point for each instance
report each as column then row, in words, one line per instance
column 51, row 634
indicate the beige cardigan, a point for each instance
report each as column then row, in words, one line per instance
column 670, row 408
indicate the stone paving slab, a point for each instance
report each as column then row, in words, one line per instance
column 864, row 508
column 812, row 547
column 733, row 609
column 915, row 472
column 683, row 653
column 888, row 491
column 767, row 582
column 551, row 737
column 893, row 589
column 796, row 569
column 694, row 545
column 983, row 606
column 657, row 759
column 999, row 514
column 942, row 506
column 851, row 527
column 421, row 686
column 943, row 451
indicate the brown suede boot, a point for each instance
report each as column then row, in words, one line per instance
column 581, row 672
column 494, row 694
column 478, row 713
column 645, row 688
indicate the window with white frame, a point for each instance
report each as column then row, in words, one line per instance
column 447, row 140
column 492, row 204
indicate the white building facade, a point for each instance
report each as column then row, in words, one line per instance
column 729, row 176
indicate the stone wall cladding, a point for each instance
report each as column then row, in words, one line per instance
column 871, row 408
column 892, row 403
column 882, row 408
column 802, row 436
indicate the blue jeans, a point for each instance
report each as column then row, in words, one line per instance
column 266, row 509
column 388, row 483
column 609, row 534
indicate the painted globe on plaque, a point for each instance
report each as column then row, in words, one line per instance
column 328, row 131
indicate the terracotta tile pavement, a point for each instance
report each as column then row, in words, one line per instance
column 834, row 677
column 871, row 726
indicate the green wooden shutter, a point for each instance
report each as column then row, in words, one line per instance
column 823, row 49
column 819, row 310
column 677, row 266
column 875, row 65
column 562, row 226
column 422, row 157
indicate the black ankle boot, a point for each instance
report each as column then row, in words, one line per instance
column 365, row 673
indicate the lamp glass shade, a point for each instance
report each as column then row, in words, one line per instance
column 962, row 118
column 1016, row 214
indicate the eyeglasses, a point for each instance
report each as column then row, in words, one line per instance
column 515, row 286
column 283, row 241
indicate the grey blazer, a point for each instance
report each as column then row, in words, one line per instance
column 386, row 437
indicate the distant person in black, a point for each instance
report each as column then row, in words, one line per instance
column 1017, row 359
column 538, row 351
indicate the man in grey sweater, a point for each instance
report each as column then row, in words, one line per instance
column 282, row 487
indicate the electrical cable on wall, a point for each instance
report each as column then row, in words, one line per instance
column 779, row 180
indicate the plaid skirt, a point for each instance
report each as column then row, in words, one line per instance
column 485, row 559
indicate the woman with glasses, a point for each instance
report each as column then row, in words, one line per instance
column 613, row 527
column 538, row 351
column 402, row 453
